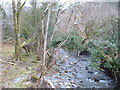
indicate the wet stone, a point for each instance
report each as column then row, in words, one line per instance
column 87, row 68
column 96, row 80
column 89, row 77
column 91, row 72
column 68, row 79
column 66, row 71
column 81, row 81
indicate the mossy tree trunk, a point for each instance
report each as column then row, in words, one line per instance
column 16, row 17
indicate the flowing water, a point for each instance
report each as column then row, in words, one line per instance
column 75, row 72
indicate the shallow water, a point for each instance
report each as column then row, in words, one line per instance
column 74, row 71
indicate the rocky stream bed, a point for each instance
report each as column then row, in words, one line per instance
column 76, row 72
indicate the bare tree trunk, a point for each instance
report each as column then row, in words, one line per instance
column 38, row 35
column 41, row 41
column 55, row 27
column 46, row 34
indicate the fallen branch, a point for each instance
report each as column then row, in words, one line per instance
column 27, row 41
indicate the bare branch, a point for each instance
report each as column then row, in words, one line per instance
column 22, row 5
column 60, row 45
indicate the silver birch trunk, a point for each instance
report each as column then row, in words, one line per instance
column 46, row 35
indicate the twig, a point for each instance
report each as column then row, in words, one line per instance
column 22, row 5
column 60, row 45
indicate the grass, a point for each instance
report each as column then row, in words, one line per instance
column 7, row 50
column 19, row 69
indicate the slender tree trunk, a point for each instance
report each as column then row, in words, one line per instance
column 40, row 51
column 37, row 31
column 16, row 29
column 46, row 35
column 55, row 26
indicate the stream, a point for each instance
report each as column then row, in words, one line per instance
column 76, row 72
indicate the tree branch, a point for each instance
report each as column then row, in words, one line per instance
column 22, row 5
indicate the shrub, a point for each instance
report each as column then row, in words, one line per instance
column 74, row 43
column 105, row 51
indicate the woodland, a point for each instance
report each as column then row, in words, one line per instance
column 51, row 44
